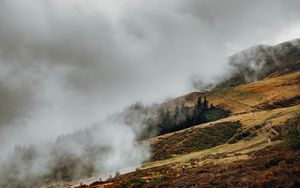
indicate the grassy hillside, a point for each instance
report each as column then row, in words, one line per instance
column 272, row 93
column 263, row 61
column 245, row 149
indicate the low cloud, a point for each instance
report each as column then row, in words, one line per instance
column 67, row 64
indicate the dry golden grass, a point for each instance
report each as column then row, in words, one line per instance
column 267, row 120
column 257, row 106
column 250, row 97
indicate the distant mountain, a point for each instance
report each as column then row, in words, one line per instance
column 263, row 61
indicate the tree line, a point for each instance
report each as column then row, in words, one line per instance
column 185, row 116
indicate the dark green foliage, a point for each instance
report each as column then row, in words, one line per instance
column 162, row 180
column 135, row 182
column 211, row 136
column 242, row 134
column 185, row 117
column 214, row 113
column 195, row 140
column 293, row 133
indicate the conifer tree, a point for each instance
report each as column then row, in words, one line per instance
column 205, row 103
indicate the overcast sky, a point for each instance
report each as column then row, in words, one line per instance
column 65, row 64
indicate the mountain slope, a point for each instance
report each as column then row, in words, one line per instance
column 262, row 61
column 247, row 146
column 271, row 93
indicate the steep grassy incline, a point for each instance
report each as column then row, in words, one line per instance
column 253, row 151
column 282, row 91
column 248, row 145
column 253, row 130
column 194, row 140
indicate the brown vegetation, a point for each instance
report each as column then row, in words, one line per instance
column 194, row 139
column 272, row 167
column 257, row 146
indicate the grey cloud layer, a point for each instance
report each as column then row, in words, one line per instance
column 65, row 64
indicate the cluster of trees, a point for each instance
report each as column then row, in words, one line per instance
column 149, row 121
column 184, row 116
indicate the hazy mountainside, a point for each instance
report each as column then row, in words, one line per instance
column 34, row 166
column 266, row 94
column 245, row 149
column 250, row 65
column 231, row 123
column 263, row 61
column 249, row 148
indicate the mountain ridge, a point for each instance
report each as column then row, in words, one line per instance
column 246, row 149
column 252, row 138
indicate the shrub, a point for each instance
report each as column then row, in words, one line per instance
column 239, row 136
column 293, row 133
column 135, row 182
column 272, row 162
